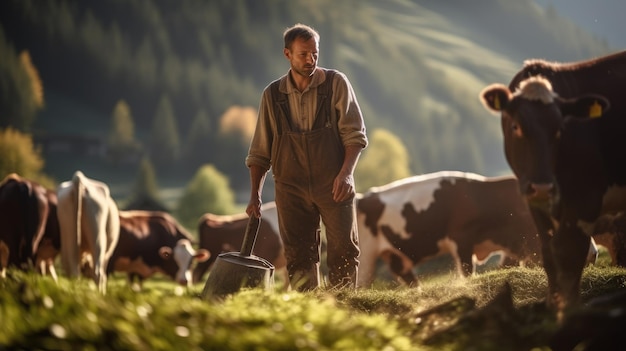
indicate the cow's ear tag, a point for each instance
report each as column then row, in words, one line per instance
column 496, row 103
column 595, row 110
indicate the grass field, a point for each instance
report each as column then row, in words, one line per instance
column 445, row 313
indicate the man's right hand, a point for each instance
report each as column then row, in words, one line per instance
column 254, row 208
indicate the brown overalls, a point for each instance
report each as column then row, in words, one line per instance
column 305, row 165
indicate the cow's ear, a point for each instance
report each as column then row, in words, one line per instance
column 202, row 255
column 165, row 252
column 495, row 97
column 587, row 106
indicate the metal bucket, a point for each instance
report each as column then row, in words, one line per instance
column 233, row 271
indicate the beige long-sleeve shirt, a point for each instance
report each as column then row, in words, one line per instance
column 303, row 107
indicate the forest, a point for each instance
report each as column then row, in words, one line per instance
column 178, row 82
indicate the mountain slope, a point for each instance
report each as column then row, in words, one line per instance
column 417, row 66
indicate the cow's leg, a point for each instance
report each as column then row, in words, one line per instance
column 401, row 269
column 52, row 271
column 100, row 260
column 463, row 258
column 134, row 281
column 544, row 228
column 111, row 227
column 368, row 257
column 67, row 213
column 94, row 239
column 570, row 247
column 4, row 259
column 200, row 269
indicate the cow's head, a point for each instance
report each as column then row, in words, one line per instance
column 533, row 118
column 183, row 254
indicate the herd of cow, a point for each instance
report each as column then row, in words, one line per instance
column 564, row 129
column 82, row 222
column 402, row 223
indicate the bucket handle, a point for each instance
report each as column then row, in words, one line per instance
column 252, row 229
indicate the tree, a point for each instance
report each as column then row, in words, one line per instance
column 240, row 120
column 385, row 160
column 145, row 193
column 122, row 145
column 199, row 144
column 208, row 191
column 237, row 126
column 21, row 89
column 164, row 138
column 19, row 155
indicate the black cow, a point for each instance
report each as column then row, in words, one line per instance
column 567, row 150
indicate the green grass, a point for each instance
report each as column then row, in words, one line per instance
column 444, row 313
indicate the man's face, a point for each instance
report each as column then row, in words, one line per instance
column 303, row 56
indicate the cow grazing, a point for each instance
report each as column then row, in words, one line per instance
column 28, row 222
column 221, row 233
column 566, row 148
column 154, row 242
column 90, row 225
column 464, row 214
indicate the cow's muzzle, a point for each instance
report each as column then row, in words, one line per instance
column 539, row 192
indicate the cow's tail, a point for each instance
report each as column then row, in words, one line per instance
column 80, row 189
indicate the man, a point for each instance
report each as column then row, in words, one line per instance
column 310, row 130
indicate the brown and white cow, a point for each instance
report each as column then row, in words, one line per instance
column 566, row 149
column 224, row 233
column 90, row 225
column 154, row 242
column 411, row 220
column 29, row 225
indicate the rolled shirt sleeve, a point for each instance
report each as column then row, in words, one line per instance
column 260, row 150
column 350, row 119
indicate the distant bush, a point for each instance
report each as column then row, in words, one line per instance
column 208, row 191
column 385, row 159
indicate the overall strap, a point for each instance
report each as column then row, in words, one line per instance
column 324, row 97
column 281, row 104
column 323, row 117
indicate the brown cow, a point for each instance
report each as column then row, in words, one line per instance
column 29, row 225
column 151, row 242
column 566, row 148
column 413, row 219
column 89, row 222
column 219, row 234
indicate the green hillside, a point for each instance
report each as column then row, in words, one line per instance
column 417, row 68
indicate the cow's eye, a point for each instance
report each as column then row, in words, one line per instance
column 516, row 130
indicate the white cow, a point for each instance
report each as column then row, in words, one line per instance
column 90, row 226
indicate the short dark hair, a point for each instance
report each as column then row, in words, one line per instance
column 299, row 30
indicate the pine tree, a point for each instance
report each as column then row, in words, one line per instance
column 145, row 193
column 121, row 143
column 164, row 138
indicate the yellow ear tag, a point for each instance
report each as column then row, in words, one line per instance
column 496, row 102
column 595, row 110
